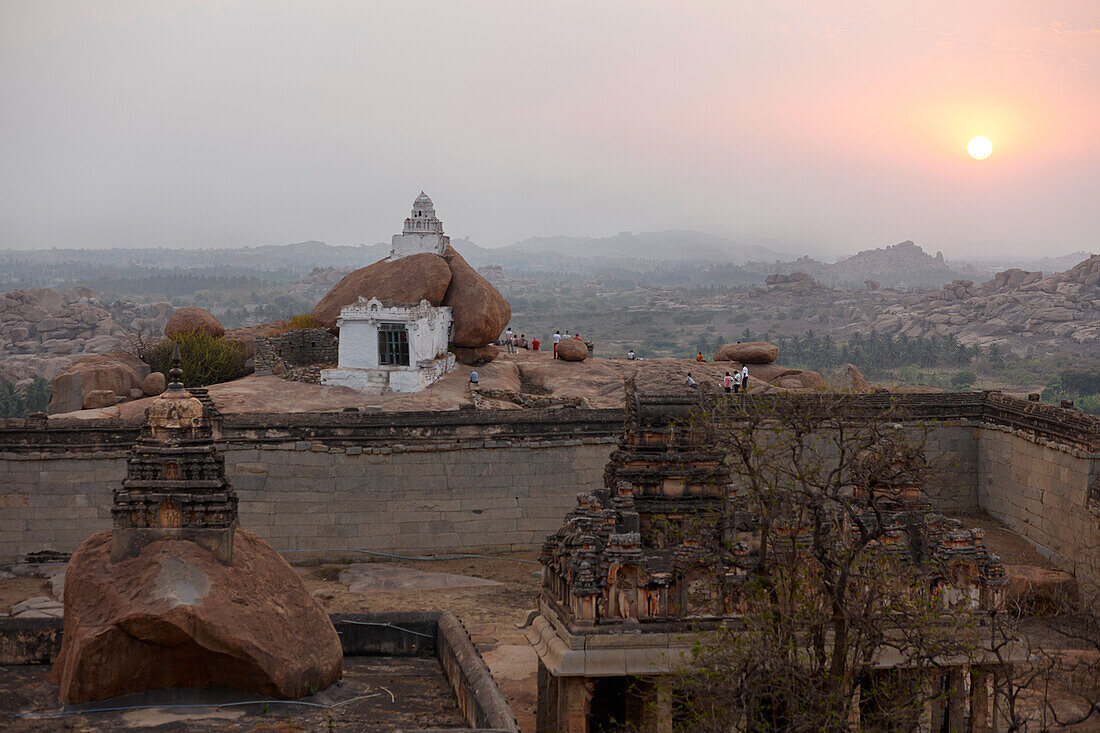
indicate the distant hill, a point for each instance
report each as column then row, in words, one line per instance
column 267, row 257
column 674, row 245
column 903, row 265
column 1048, row 265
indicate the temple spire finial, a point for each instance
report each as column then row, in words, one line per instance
column 175, row 374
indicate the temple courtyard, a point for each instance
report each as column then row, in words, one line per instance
column 491, row 595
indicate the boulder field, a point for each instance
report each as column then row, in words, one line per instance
column 96, row 381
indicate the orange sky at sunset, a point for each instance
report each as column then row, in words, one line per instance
column 824, row 124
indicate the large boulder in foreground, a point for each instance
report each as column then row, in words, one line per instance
column 572, row 349
column 117, row 372
column 480, row 312
column 174, row 616
column 407, row 281
column 748, row 352
column 193, row 318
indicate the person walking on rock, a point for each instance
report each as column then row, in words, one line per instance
column 745, row 378
column 511, row 347
column 557, row 338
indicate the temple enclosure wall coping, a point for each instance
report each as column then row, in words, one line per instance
column 498, row 481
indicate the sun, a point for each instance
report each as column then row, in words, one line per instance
column 979, row 147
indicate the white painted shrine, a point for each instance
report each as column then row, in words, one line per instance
column 391, row 347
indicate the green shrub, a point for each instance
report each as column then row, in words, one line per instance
column 303, row 321
column 964, row 380
column 1089, row 404
column 206, row 360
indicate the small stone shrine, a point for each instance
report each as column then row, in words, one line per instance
column 660, row 552
column 175, row 483
column 178, row 595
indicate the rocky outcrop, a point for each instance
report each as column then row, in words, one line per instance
column 473, row 357
column 97, row 398
column 174, row 616
column 405, row 281
column 572, row 350
column 796, row 283
column 42, row 330
column 193, row 319
column 153, row 384
column 480, row 312
column 1020, row 311
column 748, row 352
column 117, row 373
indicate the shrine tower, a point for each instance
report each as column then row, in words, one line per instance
column 423, row 232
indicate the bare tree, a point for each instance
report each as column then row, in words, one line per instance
column 840, row 618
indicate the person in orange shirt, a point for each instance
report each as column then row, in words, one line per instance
column 699, row 357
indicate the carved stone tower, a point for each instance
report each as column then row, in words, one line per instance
column 422, row 233
column 175, row 483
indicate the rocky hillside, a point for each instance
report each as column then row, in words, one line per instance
column 1027, row 313
column 42, row 331
column 904, row 265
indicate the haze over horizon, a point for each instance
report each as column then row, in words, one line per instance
column 824, row 125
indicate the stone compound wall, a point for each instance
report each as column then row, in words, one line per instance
column 485, row 496
column 297, row 347
column 478, row 480
column 1040, row 489
column 417, row 500
column 412, row 483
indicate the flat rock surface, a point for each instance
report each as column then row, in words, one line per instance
column 363, row 577
column 598, row 381
column 394, row 693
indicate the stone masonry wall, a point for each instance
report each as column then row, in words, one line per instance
column 474, row 480
column 1039, row 489
column 489, row 496
column 297, row 347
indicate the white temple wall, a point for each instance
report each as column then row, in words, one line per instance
column 404, row 245
column 358, row 345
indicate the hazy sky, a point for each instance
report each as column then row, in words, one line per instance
column 832, row 123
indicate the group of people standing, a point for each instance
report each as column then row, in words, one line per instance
column 732, row 383
column 512, row 342
column 558, row 337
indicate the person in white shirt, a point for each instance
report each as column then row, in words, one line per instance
column 630, row 355
column 689, row 381
column 511, row 347
column 557, row 338
column 736, row 382
column 745, row 378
